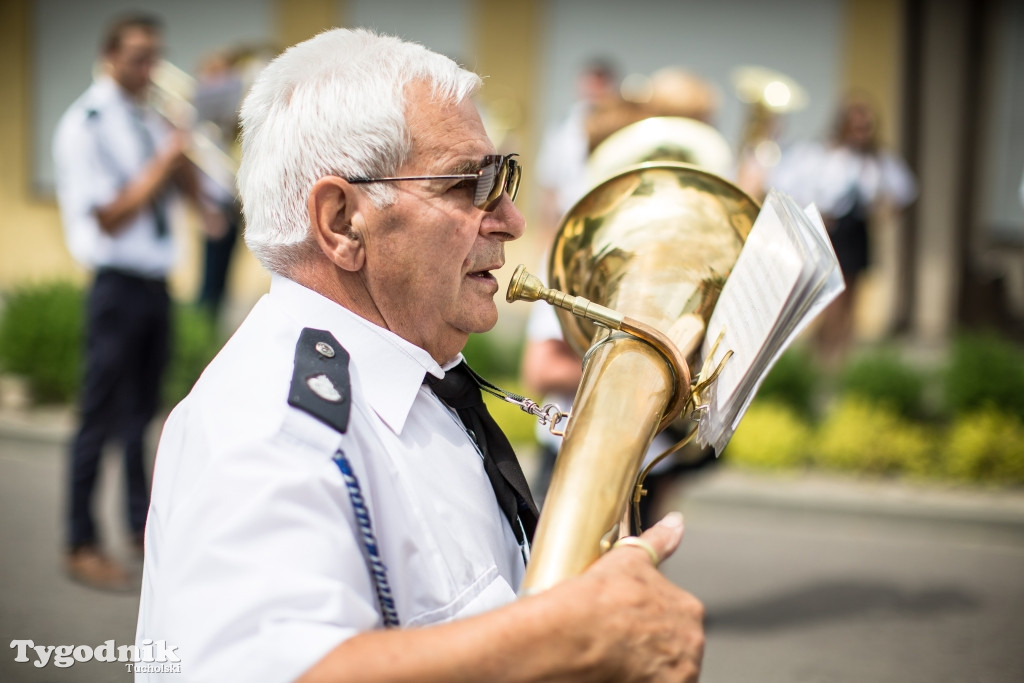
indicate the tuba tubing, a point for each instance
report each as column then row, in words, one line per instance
column 590, row 488
column 652, row 246
column 526, row 287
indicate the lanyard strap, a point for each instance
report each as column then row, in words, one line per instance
column 548, row 414
column 378, row 572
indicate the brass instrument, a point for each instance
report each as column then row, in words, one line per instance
column 172, row 94
column 768, row 94
column 660, row 138
column 640, row 261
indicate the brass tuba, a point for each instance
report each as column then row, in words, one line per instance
column 636, row 269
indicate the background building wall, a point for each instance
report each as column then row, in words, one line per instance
column 529, row 53
column 801, row 38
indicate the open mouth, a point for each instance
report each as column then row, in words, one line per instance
column 483, row 275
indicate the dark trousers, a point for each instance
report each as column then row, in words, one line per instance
column 127, row 348
column 217, row 257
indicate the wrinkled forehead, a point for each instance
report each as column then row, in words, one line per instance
column 441, row 127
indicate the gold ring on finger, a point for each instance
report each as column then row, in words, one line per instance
column 640, row 543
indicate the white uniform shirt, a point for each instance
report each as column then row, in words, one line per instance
column 833, row 178
column 562, row 161
column 98, row 149
column 254, row 569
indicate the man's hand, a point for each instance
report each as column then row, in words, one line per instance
column 140, row 192
column 649, row 629
column 620, row 621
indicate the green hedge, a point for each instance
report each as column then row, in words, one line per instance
column 772, row 435
column 963, row 421
column 794, row 381
column 42, row 340
column 984, row 446
column 195, row 344
column 984, row 370
column 874, row 423
column 884, row 378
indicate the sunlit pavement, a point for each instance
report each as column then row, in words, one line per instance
column 804, row 578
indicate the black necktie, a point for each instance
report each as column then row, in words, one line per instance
column 149, row 148
column 461, row 393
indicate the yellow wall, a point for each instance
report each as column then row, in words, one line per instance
column 873, row 64
column 297, row 20
column 873, row 58
column 31, row 241
column 503, row 45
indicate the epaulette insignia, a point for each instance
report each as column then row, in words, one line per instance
column 320, row 382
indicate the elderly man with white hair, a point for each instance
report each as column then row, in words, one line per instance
column 321, row 511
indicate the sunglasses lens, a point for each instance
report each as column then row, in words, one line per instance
column 515, row 172
column 497, row 175
column 485, row 183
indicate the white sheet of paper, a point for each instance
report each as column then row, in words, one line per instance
column 752, row 300
column 785, row 276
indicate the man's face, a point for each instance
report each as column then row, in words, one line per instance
column 860, row 126
column 132, row 62
column 431, row 255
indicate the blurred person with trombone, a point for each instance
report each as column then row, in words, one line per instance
column 217, row 97
column 852, row 178
column 118, row 164
column 211, row 102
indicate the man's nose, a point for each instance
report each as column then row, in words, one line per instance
column 505, row 221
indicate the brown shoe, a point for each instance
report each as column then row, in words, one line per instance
column 139, row 546
column 90, row 567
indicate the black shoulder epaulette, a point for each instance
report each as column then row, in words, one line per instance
column 320, row 382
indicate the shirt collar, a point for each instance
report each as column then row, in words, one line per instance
column 390, row 368
column 106, row 89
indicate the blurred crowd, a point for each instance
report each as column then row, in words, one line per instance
column 848, row 173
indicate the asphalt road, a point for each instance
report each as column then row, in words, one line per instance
column 810, row 593
column 803, row 580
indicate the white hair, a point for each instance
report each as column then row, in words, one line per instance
column 332, row 105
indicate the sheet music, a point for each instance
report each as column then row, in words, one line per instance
column 752, row 300
column 786, row 274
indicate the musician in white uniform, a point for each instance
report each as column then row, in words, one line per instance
column 851, row 179
column 320, row 512
column 118, row 166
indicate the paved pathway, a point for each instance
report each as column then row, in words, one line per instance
column 835, row 582
column 804, row 578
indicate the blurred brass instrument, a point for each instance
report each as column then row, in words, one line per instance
column 768, row 94
column 660, row 138
column 635, row 271
column 172, row 94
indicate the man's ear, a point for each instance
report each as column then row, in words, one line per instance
column 333, row 207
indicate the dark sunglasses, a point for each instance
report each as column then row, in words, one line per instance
column 497, row 174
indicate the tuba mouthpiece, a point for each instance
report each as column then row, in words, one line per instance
column 524, row 286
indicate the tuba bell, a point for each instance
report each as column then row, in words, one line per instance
column 635, row 271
